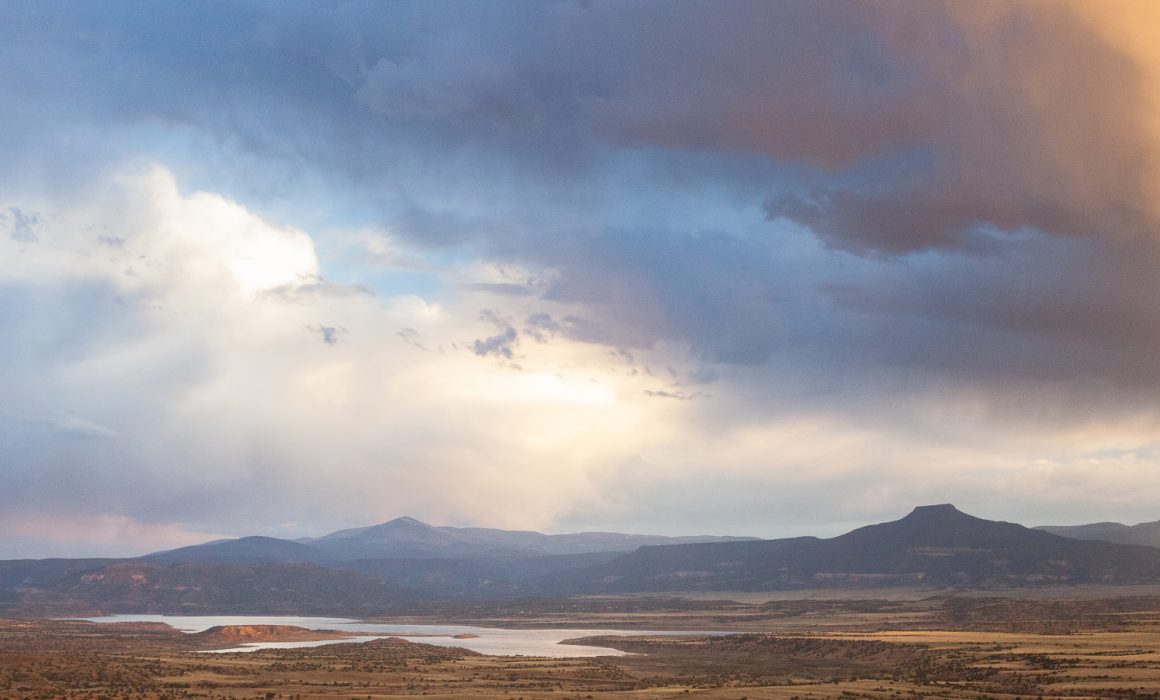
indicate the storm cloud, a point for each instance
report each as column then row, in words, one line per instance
column 926, row 227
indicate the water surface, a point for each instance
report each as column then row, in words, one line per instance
column 492, row 641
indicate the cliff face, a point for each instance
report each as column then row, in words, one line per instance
column 272, row 588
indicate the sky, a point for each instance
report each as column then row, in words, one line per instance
column 685, row 267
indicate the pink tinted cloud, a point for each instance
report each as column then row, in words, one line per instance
column 37, row 535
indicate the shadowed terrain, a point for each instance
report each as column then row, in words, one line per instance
column 936, row 548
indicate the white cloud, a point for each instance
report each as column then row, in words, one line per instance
column 223, row 406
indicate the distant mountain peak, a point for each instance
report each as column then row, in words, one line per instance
column 937, row 509
column 406, row 520
column 938, row 513
column 403, row 524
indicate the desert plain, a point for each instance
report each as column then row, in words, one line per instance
column 1084, row 642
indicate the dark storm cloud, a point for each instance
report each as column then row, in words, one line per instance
column 936, row 150
column 503, row 344
column 543, row 327
column 1031, row 122
column 1060, row 311
column 502, row 288
column 331, row 335
column 652, row 285
column 21, row 226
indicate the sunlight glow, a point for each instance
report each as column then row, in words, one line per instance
column 549, row 388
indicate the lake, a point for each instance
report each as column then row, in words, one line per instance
column 492, row 641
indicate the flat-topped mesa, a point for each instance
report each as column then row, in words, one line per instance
column 936, row 510
column 943, row 524
column 940, row 515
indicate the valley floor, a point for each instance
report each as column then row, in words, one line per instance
column 944, row 646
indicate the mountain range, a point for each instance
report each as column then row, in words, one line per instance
column 932, row 546
column 407, row 538
column 404, row 562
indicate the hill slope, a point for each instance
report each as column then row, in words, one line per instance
column 244, row 549
column 1147, row 534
